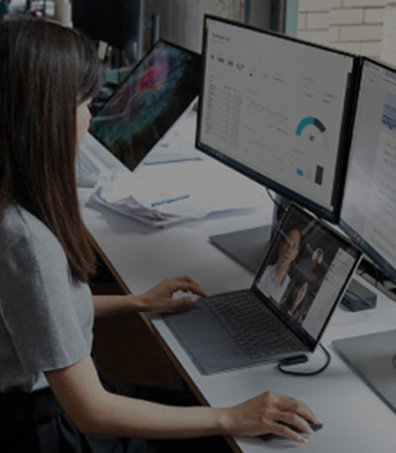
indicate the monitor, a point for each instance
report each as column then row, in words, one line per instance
column 369, row 205
column 275, row 109
column 148, row 102
column 368, row 214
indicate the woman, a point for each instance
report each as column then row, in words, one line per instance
column 293, row 303
column 51, row 396
column 275, row 279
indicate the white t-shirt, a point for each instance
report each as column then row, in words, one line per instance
column 46, row 316
column 268, row 286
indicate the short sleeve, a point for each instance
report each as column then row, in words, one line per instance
column 46, row 314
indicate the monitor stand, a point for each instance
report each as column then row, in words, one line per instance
column 373, row 358
column 247, row 247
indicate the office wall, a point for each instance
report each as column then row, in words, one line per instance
column 258, row 13
column 181, row 20
column 366, row 27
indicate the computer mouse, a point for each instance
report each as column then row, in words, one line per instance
column 314, row 426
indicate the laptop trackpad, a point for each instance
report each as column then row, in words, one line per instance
column 205, row 339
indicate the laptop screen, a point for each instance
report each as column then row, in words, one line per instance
column 305, row 272
column 148, row 102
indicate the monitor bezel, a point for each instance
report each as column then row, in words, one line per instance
column 331, row 215
column 357, row 238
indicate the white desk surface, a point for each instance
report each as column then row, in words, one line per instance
column 355, row 419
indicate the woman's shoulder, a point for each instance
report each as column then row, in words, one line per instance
column 19, row 226
column 13, row 227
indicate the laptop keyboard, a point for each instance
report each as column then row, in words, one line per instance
column 253, row 326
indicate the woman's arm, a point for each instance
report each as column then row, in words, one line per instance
column 113, row 305
column 158, row 298
column 94, row 410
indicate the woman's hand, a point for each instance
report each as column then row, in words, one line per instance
column 160, row 297
column 262, row 414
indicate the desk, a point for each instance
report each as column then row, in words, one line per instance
column 355, row 420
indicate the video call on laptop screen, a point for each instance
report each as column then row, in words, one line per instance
column 148, row 102
column 317, row 263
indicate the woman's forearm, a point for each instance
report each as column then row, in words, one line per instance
column 113, row 305
column 137, row 418
column 94, row 410
column 158, row 298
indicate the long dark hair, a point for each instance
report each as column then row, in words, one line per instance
column 46, row 70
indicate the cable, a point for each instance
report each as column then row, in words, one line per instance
column 309, row 373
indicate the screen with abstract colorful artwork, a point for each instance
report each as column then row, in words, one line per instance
column 148, row 102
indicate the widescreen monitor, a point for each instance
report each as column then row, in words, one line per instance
column 369, row 205
column 149, row 101
column 276, row 109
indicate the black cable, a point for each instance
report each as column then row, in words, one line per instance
column 281, row 365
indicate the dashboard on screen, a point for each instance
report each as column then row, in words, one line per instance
column 369, row 205
column 274, row 108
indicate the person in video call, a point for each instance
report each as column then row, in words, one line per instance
column 308, row 268
column 308, row 271
column 296, row 298
column 52, row 396
column 275, row 278
column 303, row 308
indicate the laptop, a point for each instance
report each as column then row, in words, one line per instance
column 373, row 358
column 156, row 92
column 305, row 271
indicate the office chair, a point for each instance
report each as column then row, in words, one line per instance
column 116, row 22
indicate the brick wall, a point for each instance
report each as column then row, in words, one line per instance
column 356, row 26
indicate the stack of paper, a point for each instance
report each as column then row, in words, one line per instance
column 170, row 195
